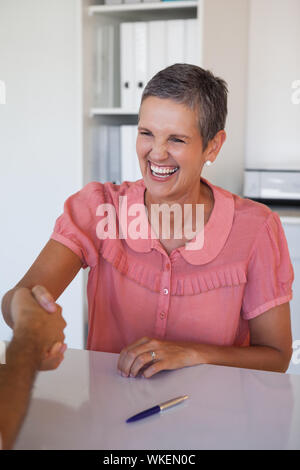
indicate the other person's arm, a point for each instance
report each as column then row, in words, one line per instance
column 35, row 332
column 53, row 270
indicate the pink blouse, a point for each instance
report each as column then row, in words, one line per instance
column 207, row 296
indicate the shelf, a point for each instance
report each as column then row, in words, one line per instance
column 142, row 6
column 147, row 11
column 113, row 112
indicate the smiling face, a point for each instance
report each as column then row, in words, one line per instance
column 169, row 148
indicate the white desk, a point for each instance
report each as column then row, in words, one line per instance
column 85, row 402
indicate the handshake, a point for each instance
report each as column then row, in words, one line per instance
column 38, row 320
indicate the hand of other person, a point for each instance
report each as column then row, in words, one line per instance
column 148, row 356
column 42, row 323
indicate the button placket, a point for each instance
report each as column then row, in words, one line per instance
column 163, row 302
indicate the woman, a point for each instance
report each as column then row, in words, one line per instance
column 154, row 300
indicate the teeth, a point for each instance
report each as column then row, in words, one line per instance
column 161, row 171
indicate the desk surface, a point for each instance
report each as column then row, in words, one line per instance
column 85, row 402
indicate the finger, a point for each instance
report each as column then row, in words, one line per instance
column 133, row 354
column 124, row 351
column 154, row 368
column 55, row 349
column 44, row 298
column 51, row 363
column 141, row 363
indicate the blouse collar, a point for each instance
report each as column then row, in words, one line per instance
column 216, row 230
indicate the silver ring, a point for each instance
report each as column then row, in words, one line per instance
column 153, row 355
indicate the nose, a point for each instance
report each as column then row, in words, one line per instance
column 158, row 153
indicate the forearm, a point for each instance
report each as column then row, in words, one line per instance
column 251, row 357
column 5, row 307
column 16, row 380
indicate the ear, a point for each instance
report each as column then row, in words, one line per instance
column 214, row 146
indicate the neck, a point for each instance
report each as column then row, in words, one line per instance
column 198, row 195
column 201, row 194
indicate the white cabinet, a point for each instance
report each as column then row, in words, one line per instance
column 292, row 232
column 272, row 137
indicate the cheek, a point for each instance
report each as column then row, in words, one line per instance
column 142, row 148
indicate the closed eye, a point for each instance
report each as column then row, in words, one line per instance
column 172, row 138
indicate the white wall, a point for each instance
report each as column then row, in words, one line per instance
column 225, row 53
column 40, row 137
column 273, row 128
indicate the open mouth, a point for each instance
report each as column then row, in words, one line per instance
column 162, row 172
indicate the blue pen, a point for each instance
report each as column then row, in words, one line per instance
column 157, row 408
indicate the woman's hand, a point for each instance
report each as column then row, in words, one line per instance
column 137, row 358
column 55, row 355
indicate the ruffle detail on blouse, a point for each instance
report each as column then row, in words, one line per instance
column 229, row 276
column 190, row 285
column 135, row 271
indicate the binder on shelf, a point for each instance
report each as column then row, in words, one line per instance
column 114, row 160
column 156, row 48
column 127, row 65
column 104, row 70
column 105, row 164
column 98, row 166
column 174, row 42
column 140, row 59
column 191, row 44
column 130, row 168
column 112, row 2
column 147, row 47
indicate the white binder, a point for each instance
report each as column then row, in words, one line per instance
column 100, row 170
column 130, row 168
column 105, row 73
column 114, row 154
column 127, row 65
column 156, row 47
column 175, row 42
column 136, row 163
column 125, row 137
column 192, row 42
column 140, row 48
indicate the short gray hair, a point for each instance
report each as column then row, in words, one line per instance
column 198, row 89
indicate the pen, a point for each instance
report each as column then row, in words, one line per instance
column 157, row 409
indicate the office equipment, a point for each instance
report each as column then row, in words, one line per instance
column 272, row 185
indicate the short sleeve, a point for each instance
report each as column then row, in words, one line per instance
column 270, row 272
column 76, row 226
